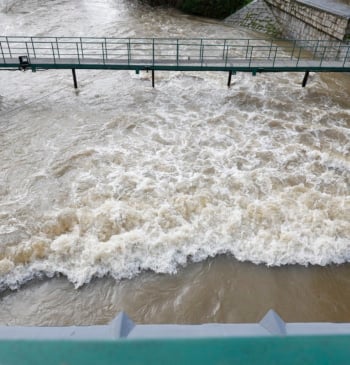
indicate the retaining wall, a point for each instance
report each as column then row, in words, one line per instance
column 296, row 19
column 311, row 20
column 257, row 16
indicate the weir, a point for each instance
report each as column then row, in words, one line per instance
column 170, row 54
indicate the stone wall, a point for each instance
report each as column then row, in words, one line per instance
column 305, row 20
column 296, row 19
column 257, row 16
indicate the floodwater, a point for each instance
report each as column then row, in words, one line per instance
column 186, row 203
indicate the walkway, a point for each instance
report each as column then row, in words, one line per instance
column 174, row 54
column 232, row 55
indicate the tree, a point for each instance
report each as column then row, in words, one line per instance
column 212, row 8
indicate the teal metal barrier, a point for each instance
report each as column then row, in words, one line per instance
column 175, row 54
column 313, row 350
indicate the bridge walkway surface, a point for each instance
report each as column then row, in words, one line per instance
column 169, row 54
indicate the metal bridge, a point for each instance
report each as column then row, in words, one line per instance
column 171, row 54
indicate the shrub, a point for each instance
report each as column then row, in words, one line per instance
column 212, row 8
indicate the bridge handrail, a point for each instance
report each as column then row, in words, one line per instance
column 175, row 50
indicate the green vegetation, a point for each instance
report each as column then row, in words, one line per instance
column 212, row 8
column 209, row 8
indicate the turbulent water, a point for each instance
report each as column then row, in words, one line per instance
column 119, row 178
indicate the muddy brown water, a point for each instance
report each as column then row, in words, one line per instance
column 188, row 203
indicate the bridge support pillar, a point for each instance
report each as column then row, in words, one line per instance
column 74, row 78
column 306, row 76
column 229, row 79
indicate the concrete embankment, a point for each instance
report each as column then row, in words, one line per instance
column 257, row 16
column 297, row 19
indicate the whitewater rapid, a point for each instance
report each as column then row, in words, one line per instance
column 117, row 178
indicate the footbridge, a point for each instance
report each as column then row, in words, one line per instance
column 171, row 54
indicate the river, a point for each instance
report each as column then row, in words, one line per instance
column 187, row 203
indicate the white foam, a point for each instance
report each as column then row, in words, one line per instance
column 122, row 178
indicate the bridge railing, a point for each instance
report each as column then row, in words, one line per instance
column 169, row 51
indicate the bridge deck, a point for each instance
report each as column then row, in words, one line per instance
column 254, row 55
column 193, row 64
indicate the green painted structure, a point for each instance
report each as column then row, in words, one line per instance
column 232, row 55
column 310, row 350
column 271, row 341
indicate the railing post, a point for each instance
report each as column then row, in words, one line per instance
column 103, row 53
column 153, row 51
column 2, row 52
column 346, row 56
column 316, row 49
column 246, row 55
column 81, row 47
column 177, row 52
column 53, row 53
column 226, row 58
column 274, row 59
column 8, row 46
column 338, row 52
column 270, row 50
column 129, row 52
column 251, row 55
column 323, row 54
column 223, row 52
column 78, row 52
column 27, row 50
column 294, row 44
column 299, row 56
column 227, row 53
column 106, row 49
column 31, row 38
column 58, row 49
column 201, row 50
